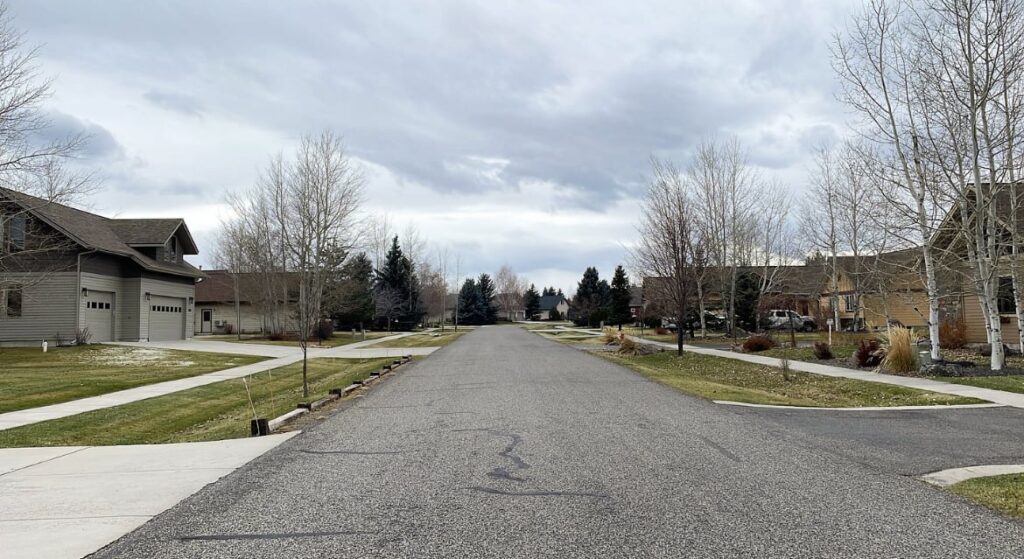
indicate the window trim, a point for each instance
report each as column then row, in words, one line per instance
column 1012, row 302
column 5, row 302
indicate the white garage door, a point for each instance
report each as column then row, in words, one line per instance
column 166, row 318
column 99, row 315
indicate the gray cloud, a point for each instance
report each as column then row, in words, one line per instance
column 470, row 99
column 178, row 102
column 98, row 146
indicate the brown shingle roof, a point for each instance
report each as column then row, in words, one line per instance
column 99, row 233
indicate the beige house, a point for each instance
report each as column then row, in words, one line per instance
column 229, row 302
column 65, row 271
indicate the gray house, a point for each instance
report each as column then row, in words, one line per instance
column 64, row 270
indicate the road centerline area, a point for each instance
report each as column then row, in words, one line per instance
column 558, row 453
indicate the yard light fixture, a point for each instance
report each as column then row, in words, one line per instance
column 148, row 295
column 85, row 292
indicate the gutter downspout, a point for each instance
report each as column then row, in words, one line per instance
column 78, row 293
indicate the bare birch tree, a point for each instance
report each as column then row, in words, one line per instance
column 669, row 253
column 725, row 193
column 876, row 69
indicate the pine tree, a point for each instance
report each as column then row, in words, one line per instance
column 588, row 297
column 352, row 300
column 620, row 296
column 531, row 302
column 470, row 306
column 487, row 295
column 397, row 288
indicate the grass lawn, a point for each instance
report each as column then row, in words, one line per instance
column 1002, row 493
column 340, row 338
column 1011, row 383
column 573, row 338
column 30, row 378
column 718, row 378
column 806, row 353
column 545, row 325
column 427, row 339
column 212, row 412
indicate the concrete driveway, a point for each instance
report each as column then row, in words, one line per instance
column 505, row 444
column 66, row 502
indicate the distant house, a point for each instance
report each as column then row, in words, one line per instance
column 550, row 302
column 228, row 302
column 510, row 307
column 636, row 302
column 64, row 270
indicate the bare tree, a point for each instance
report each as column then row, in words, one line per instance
column 510, row 290
column 33, row 172
column 876, row 67
column 668, row 254
column 775, row 246
column 726, row 191
column 301, row 218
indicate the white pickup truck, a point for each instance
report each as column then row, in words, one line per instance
column 780, row 319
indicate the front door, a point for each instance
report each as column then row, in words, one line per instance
column 206, row 326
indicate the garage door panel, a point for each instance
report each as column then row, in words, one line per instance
column 99, row 315
column 166, row 318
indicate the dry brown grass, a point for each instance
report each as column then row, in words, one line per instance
column 901, row 355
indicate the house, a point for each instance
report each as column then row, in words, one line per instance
column 228, row 302
column 65, row 271
column 510, row 307
column 636, row 302
column 552, row 302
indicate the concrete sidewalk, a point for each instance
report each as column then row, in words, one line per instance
column 19, row 418
column 995, row 396
column 67, row 502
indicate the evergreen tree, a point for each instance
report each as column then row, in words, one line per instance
column 398, row 289
column 620, row 296
column 548, row 291
column 485, row 286
column 531, row 302
column 471, row 309
column 588, row 297
column 351, row 300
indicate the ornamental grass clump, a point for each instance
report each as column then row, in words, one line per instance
column 610, row 337
column 626, row 345
column 753, row 344
column 900, row 355
column 869, row 353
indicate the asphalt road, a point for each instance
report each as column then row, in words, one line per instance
column 507, row 445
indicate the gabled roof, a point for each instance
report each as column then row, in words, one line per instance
column 548, row 302
column 219, row 286
column 152, row 232
column 95, row 232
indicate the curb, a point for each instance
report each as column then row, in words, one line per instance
column 945, row 478
column 866, row 408
column 334, row 395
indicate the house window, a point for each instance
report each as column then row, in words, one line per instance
column 850, row 302
column 14, row 233
column 11, row 300
column 172, row 249
column 1004, row 297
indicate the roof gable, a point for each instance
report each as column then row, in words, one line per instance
column 95, row 232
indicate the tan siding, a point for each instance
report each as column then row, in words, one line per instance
column 904, row 307
column 48, row 309
column 975, row 319
column 166, row 289
column 252, row 319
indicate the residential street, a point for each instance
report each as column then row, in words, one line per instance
column 504, row 444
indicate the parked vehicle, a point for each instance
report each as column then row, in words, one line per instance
column 781, row 319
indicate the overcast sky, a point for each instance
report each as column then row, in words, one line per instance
column 512, row 132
